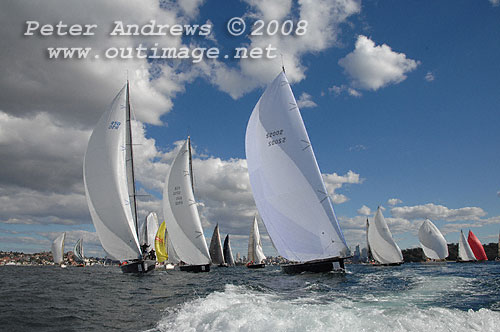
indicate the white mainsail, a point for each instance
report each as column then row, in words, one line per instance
column 216, row 247
column 464, row 251
column 109, row 184
column 286, row 181
column 173, row 258
column 432, row 241
column 147, row 231
column 255, row 252
column 181, row 213
column 58, row 248
column 382, row 245
column 78, row 251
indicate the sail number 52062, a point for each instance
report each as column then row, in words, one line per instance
column 276, row 137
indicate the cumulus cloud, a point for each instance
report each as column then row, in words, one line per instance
column 372, row 67
column 495, row 3
column 438, row 212
column 364, row 211
column 337, row 90
column 334, row 181
column 305, row 101
column 429, row 77
column 394, row 201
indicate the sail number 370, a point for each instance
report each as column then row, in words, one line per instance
column 276, row 137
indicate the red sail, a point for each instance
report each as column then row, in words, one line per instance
column 477, row 247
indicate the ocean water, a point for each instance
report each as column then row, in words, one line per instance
column 411, row 297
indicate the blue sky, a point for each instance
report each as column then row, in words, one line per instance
column 400, row 100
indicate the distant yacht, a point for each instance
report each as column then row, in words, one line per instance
column 465, row 253
column 58, row 249
column 255, row 253
column 432, row 241
column 382, row 246
column 477, row 247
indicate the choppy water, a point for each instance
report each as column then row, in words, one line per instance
column 412, row 297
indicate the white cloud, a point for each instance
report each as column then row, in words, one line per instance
column 438, row 212
column 358, row 147
column 364, row 211
column 495, row 3
column 394, row 201
column 498, row 193
column 372, row 67
column 305, row 101
column 344, row 88
column 429, row 77
column 334, row 181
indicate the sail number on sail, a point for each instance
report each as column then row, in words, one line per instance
column 275, row 140
column 114, row 125
column 178, row 195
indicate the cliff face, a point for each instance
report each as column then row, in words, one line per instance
column 417, row 254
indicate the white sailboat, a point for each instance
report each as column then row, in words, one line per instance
column 432, row 241
column 382, row 246
column 78, row 252
column 255, row 252
column 465, row 253
column 287, row 184
column 58, row 249
column 108, row 173
column 181, row 213
column 215, row 249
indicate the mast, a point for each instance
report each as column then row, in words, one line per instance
column 130, row 160
column 190, row 163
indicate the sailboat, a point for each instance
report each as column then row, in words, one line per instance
column 58, row 249
column 465, row 253
column 477, row 247
column 498, row 248
column 78, row 252
column 108, row 173
column 228, row 253
column 287, row 184
column 255, row 252
column 147, row 234
column 432, row 241
column 216, row 248
column 382, row 246
column 179, row 208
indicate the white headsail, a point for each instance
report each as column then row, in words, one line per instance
column 464, row 251
column 107, row 169
column 58, row 248
column 181, row 213
column 255, row 252
column 432, row 241
column 148, row 229
column 382, row 245
column 286, row 181
column 78, row 251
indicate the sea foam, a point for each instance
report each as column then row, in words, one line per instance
column 239, row 308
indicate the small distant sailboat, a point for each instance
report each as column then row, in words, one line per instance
column 382, row 246
column 432, row 241
column 58, row 249
column 179, row 208
column 255, row 252
column 78, row 252
column 108, row 174
column 465, row 253
column 147, row 234
column 216, row 248
column 477, row 247
column 228, row 253
column 287, row 184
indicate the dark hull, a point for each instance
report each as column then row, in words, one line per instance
column 195, row 268
column 256, row 266
column 390, row 264
column 138, row 267
column 317, row 266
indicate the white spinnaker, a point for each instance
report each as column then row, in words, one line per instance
column 382, row 245
column 464, row 251
column 255, row 252
column 106, row 187
column 181, row 213
column 148, row 229
column 432, row 241
column 286, row 181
